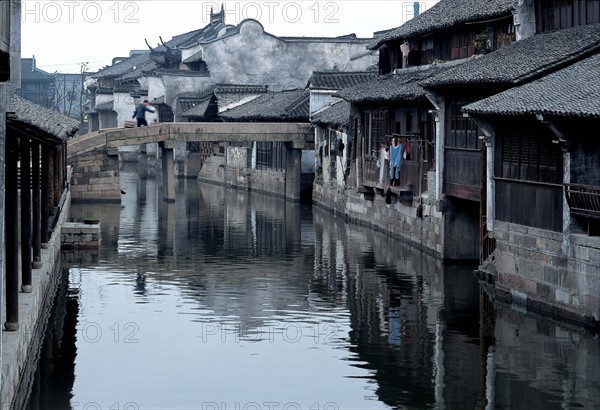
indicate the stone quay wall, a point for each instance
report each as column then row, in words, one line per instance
column 538, row 269
column 267, row 181
column 422, row 225
column 96, row 176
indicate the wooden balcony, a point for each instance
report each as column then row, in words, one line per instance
column 584, row 202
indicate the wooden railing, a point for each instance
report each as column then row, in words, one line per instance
column 584, row 200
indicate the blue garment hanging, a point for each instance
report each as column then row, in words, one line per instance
column 395, row 156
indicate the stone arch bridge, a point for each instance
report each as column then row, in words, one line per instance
column 94, row 156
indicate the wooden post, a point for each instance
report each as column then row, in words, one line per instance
column 35, row 199
column 55, row 179
column 11, row 224
column 25, row 215
column 45, row 197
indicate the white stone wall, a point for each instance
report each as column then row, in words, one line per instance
column 256, row 57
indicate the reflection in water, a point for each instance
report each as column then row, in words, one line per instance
column 227, row 299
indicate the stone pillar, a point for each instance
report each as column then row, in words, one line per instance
column 11, row 217
column 293, row 169
column 45, row 195
column 168, row 170
column 36, row 205
column 25, row 215
column 143, row 162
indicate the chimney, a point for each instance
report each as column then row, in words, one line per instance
column 416, row 8
column 33, row 63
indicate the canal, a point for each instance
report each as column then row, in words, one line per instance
column 233, row 300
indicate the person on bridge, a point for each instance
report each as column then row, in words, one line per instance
column 140, row 113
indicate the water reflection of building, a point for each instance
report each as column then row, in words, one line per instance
column 537, row 360
column 425, row 332
column 410, row 317
column 52, row 382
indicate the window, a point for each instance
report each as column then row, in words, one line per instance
column 409, row 122
column 461, row 46
column 464, row 133
column 528, row 157
column 557, row 14
column 376, row 126
column 427, row 51
column 270, row 155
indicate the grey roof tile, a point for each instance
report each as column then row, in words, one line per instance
column 572, row 91
column 107, row 106
column 198, row 109
column 337, row 115
column 403, row 85
column 124, row 66
column 45, row 120
column 523, row 60
column 336, row 80
column 447, row 13
column 291, row 105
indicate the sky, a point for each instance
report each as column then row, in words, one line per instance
column 66, row 35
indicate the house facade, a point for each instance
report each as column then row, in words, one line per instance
column 395, row 176
column 546, row 190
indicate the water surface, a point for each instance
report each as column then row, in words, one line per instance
column 235, row 300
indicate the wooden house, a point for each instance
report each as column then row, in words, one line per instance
column 462, row 166
column 450, row 30
column 331, row 117
column 545, row 186
column 36, row 190
column 393, row 107
column 333, row 144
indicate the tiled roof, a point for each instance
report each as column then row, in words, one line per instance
column 185, row 103
column 572, row 91
column 158, row 100
column 107, row 106
column 403, row 85
column 336, row 80
column 241, row 88
column 524, row 60
column 43, row 119
column 291, row 105
column 337, row 115
column 139, row 71
column 447, row 13
column 194, row 58
column 198, row 109
column 124, row 66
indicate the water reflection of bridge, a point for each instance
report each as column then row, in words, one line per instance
column 420, row 328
